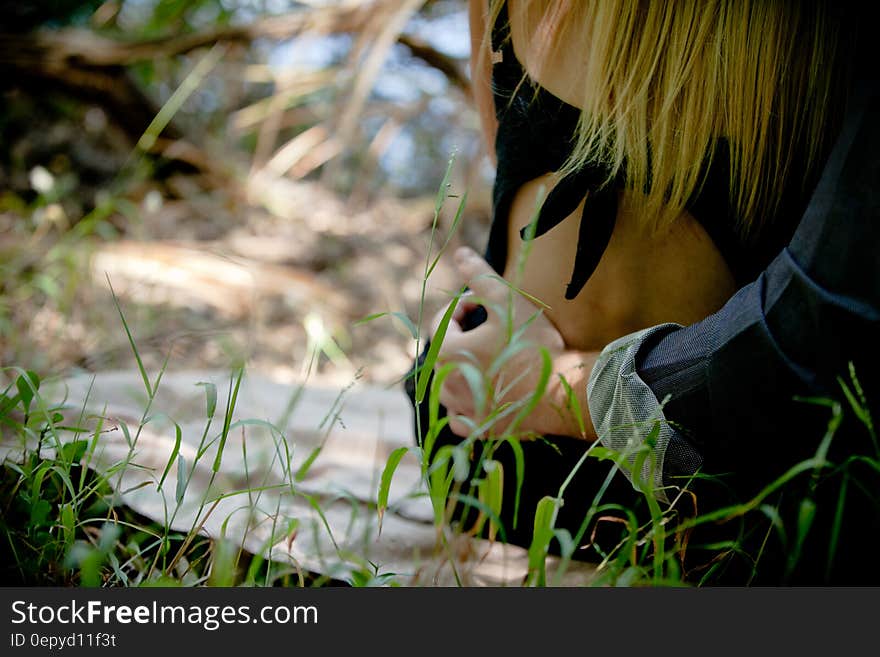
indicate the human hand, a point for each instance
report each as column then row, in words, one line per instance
column 509, row 368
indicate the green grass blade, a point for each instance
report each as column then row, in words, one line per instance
column 443, row 189
column 127, row 433
column 836, row 525
column 134, row 349
column 806, row 516
column 452, row 229
column 370, row 318
column 407, row 322
column 520, row 464
column 402, row 317
column 546, row 371
column 303, row 470
column 385, row 481
column 27, row 385
column 210, row 397
column 178, row 98
column 178, row 435
column 317, row 507
column 491, row 491
column 181, row 479
column 573, row 404
column 476, row 381
column 440, row 477
column 545, row 520
column 434, row 349
column 478, row 504
column 231, row 400
column 435, row 423
column 567, row 545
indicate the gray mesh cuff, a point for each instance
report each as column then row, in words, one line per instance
column 626, row 413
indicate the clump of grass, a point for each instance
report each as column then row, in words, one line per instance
column 654, row 549
column 63, row 522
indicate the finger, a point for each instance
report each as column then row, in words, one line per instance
column 478, row 345
column 458, row 427
column 455, row 393
column 457, row 344
column 463, row 425
column 465, row 306
column 479, row 276
column 438, row 318
column 458, row 407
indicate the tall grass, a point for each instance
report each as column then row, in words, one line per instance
column 655, row 549
column 64, row 521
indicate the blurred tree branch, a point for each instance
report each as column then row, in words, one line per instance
column 433, row 57
column 83, row 47
column 87, row 64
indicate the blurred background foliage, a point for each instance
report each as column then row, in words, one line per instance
column 250, row 176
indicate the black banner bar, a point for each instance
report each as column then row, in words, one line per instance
column 409, row 620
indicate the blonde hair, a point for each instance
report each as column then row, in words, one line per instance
column 664, row 81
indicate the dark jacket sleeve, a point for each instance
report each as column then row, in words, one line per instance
column 733, row 379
